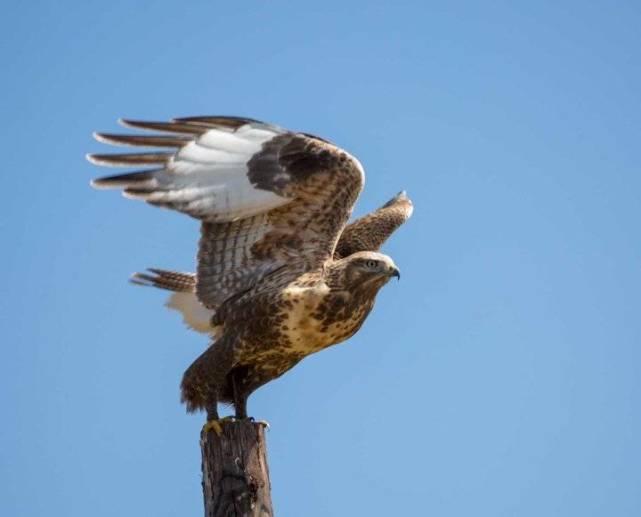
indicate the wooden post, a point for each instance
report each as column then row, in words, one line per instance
column 235, row 473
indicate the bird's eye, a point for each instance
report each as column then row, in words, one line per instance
column 371, row 264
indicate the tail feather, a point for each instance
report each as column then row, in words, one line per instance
column 183, row 299
column 165, row 279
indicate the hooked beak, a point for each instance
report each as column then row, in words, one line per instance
column 395, row 272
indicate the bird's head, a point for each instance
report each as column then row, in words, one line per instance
column 364, row 270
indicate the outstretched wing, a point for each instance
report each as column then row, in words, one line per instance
column 369, row 232
column 269, row 199
column 206, row 177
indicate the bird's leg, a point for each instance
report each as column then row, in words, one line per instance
column 212, row 411
column 240, row 399
column 241, row 394
column 213, row 421
column 203, row 380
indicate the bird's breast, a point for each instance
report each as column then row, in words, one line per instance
column 316, row 318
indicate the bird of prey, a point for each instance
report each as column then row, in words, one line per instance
column 280, row 274
column 365, row 234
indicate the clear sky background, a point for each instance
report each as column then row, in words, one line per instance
column 500, row 377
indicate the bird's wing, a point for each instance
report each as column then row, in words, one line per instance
column 269, row 199
column 368, row 233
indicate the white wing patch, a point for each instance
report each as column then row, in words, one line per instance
column 206, row 178
column 195, row 315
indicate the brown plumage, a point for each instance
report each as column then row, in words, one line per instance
column 370, row 231
column 165, row 279
column 279, row 274
column 367, row 233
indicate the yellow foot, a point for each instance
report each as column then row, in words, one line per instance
column 217, row 425
column 213, row 425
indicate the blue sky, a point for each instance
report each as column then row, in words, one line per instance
column 500, row 377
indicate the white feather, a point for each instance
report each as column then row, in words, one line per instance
column 194, row 152
column 210, row 175
column 195, row 315
column 258, row 134
column 230, row 142
column 207, row 178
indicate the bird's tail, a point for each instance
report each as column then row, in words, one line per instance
column 183, row 298
column 165, row 279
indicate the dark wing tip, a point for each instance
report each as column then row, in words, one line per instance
column 142, row 140
column 129, row 180
column 228, row 121
column 171, row 127
column 400, row 197
column 126, row 159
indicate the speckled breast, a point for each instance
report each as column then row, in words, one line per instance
column 318, row 318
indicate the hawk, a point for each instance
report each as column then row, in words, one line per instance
column 280, row 274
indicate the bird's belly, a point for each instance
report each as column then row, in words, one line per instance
column 300, row 323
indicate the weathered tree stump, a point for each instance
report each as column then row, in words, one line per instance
column 235, row 473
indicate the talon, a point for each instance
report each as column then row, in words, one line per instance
column 213, row 425
column 216, row 425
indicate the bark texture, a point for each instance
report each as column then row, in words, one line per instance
column 235, row 473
